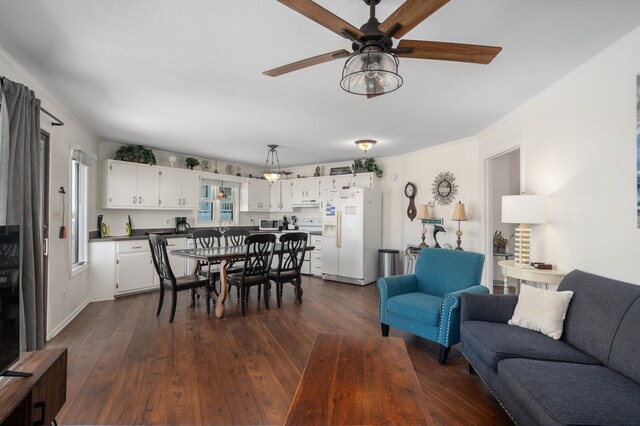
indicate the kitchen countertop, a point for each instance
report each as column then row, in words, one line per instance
column 142, row 234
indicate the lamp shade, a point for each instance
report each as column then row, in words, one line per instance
column 371, row 72
column 459, row 213
column 423, row 212
column 527, row 209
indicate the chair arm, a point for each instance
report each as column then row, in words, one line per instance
column 449, row 330
column 488, row 307
column 393, row 286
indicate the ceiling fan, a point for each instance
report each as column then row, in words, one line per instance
column 372, row 68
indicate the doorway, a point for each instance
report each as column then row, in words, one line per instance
column 44, row 211
column 503, row 178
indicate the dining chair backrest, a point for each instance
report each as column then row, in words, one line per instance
column 158, row 246
column 235, row 236
column 207, row 238
column 293, row 249
column 259, row 254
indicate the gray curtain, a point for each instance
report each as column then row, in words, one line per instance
column 22, row 144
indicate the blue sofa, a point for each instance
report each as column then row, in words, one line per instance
column 590, row 376
column 427, row 303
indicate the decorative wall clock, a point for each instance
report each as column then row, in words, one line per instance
column 444, row 188
column 410, row 191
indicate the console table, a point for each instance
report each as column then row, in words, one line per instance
column 37, row 399
column 528, row 273
column 358, row 380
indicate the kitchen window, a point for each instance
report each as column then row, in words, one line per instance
column 218, row 210
column 80, row 165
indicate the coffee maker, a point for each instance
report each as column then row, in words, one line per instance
column 182, row 227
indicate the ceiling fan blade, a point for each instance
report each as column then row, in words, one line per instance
column 448, row 51
column 410, row 14
column 322, row 16
column 316, row 60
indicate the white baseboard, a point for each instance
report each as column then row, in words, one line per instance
column 67, row 320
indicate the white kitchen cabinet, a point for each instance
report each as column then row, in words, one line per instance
column 316, row 255
column 255, row 195
column 365, row 180
column 134, row 272
column 305, row 190
column 179, row 189
column 130, row 185
column 342, row 181
column 281, row 196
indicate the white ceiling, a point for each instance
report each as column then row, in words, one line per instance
column 186, row 75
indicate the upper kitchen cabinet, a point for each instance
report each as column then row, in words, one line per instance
column 365, row 180
column 130, row 185
column 281, row 196
column 179, row 189
column 255, row 195
column 305, row 191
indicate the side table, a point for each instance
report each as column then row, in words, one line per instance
column 528, row 273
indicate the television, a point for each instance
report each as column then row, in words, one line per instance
column 10, row 256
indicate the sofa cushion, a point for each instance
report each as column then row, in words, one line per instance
column 494, row 342
column 541, row 310
column 420, row 307
column 572, row 394
column 595, row 311
column 625, row 350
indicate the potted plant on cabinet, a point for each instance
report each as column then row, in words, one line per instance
column 364, row 165
column 136, row 154
column 192, row 162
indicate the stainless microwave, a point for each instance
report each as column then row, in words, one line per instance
column 269, row 225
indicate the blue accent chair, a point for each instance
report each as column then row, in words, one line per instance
column 427, row 303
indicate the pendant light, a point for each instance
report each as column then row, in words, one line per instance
column 220, row 195
column 270, row 172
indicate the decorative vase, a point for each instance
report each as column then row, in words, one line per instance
column 502, row 249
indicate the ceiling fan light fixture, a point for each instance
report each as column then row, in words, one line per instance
column 271, row 173
column 365, row 144
column 371, row 72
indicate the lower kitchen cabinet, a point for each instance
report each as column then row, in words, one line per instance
column 316, row 255
column 125, row 267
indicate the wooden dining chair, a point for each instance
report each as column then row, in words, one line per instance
column 258, row 257
column 168, row 280
column 205, row 238
column 290, row 260
column 234, row 237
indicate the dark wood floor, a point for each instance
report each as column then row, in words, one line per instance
column 127, row 366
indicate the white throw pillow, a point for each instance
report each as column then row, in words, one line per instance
column 541, row 310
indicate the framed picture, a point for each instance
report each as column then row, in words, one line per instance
column 340, row 170
column 434, row 221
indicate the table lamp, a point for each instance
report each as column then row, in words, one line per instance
column 423, row 214
column 460, row 215
column 524, row 210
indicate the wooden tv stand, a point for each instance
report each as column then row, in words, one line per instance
column 37, row 399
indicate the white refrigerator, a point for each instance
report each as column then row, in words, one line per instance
column 351, row 235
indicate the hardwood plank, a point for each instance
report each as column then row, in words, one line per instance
column 127, row 366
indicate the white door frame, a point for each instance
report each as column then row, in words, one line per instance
column 488, row 192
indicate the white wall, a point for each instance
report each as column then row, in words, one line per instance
column 578, row 142
column 67, row 295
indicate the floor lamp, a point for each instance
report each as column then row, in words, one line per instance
column 524, row 210
column 423, row 214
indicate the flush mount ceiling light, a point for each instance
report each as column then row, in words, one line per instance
column 270, row 172
column 366, row 144
column 372, row 65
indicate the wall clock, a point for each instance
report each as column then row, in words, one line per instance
column 410, row 191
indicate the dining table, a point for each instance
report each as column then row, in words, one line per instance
column 226, row 255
